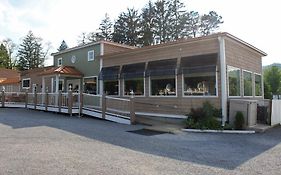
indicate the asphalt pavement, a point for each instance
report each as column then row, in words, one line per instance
column 36, row 142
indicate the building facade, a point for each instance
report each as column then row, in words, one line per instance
column 183, row 74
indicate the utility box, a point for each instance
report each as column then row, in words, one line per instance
column 247, row 107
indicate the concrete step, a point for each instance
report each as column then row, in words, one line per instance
column 260, row 128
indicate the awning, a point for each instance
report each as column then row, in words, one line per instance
column 198, row 64
column 133, row 71
column 162, row 67
column 109, row 73
column 63, row 70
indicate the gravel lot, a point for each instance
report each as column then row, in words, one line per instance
column 34, row 142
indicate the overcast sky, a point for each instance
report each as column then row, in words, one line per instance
column 254, row 21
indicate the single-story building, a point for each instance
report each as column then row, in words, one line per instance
column 176, row 76
column 9, row 80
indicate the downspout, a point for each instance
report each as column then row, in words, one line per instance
column 223, row 79
column 101, row 63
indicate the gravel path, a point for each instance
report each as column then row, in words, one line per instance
column 34, row 142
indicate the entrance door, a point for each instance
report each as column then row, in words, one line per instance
column 74, row 84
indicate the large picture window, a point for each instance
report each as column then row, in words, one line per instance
column 90, row 85
column 258, row 85
column 134, row 86
column 111, row 87
column 233, row 81
column 203, row 84
column 247, row 77
column 163, row 86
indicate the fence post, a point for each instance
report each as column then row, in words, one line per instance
column 3, row 98
column 70, row 102
column 59, row 100
column 35, row 99
column 103, row 105
column 81, row 103
column 26, row 98
column 46, row 101
column 132, row 110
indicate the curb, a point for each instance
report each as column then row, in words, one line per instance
column 220, row 131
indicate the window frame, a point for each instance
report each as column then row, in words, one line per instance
column 240, row 85
column 119, row 91
column 89, row 55
column 163, row 96
column 243, row 70
column 254, row 73
column 203, row 96
column 97, row 85
column 24, row 79
column 134, row 94
column 59, row 62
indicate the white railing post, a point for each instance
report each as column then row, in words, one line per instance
column 35, row 99
column 70, row 102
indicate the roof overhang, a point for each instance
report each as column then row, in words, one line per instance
column 63, row 70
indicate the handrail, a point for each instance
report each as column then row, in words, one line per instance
column 114, row 98
column 92, row 95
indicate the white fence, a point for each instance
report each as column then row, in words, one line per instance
column 276, row 112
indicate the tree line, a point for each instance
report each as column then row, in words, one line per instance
column 158, row 22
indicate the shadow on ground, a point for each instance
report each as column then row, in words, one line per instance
column 219, row 150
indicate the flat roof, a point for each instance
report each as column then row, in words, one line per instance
column 183, row 41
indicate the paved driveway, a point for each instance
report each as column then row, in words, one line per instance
column 33, row 142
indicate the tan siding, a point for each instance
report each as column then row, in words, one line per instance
column 108, row 48
column 242, row 57
column 180, row 50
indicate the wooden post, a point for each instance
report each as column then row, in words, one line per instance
column 132, row 111
column 35, row 99
column 46, row 101
column 103, row 105
column 3, row 98
column 70, row 102
column 81, row 103
column 59, row 100
column 26, row 98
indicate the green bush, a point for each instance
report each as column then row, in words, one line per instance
column 239, row 120
column 204, row 118
column 212, row 123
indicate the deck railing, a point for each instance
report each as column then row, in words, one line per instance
column 71, row 103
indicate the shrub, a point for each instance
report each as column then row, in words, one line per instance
column 211, row 123
column 204, row 118
column 239, row 120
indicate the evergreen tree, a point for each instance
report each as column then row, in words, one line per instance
column 10, row 47
column 30, row 54
column 147, row 30
column 63, row 46
column 162, row 20
column 192, row 24
column 176, row 20
column 105, row 29
column 4, row 57
column 209, row 23
column 126, row 28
